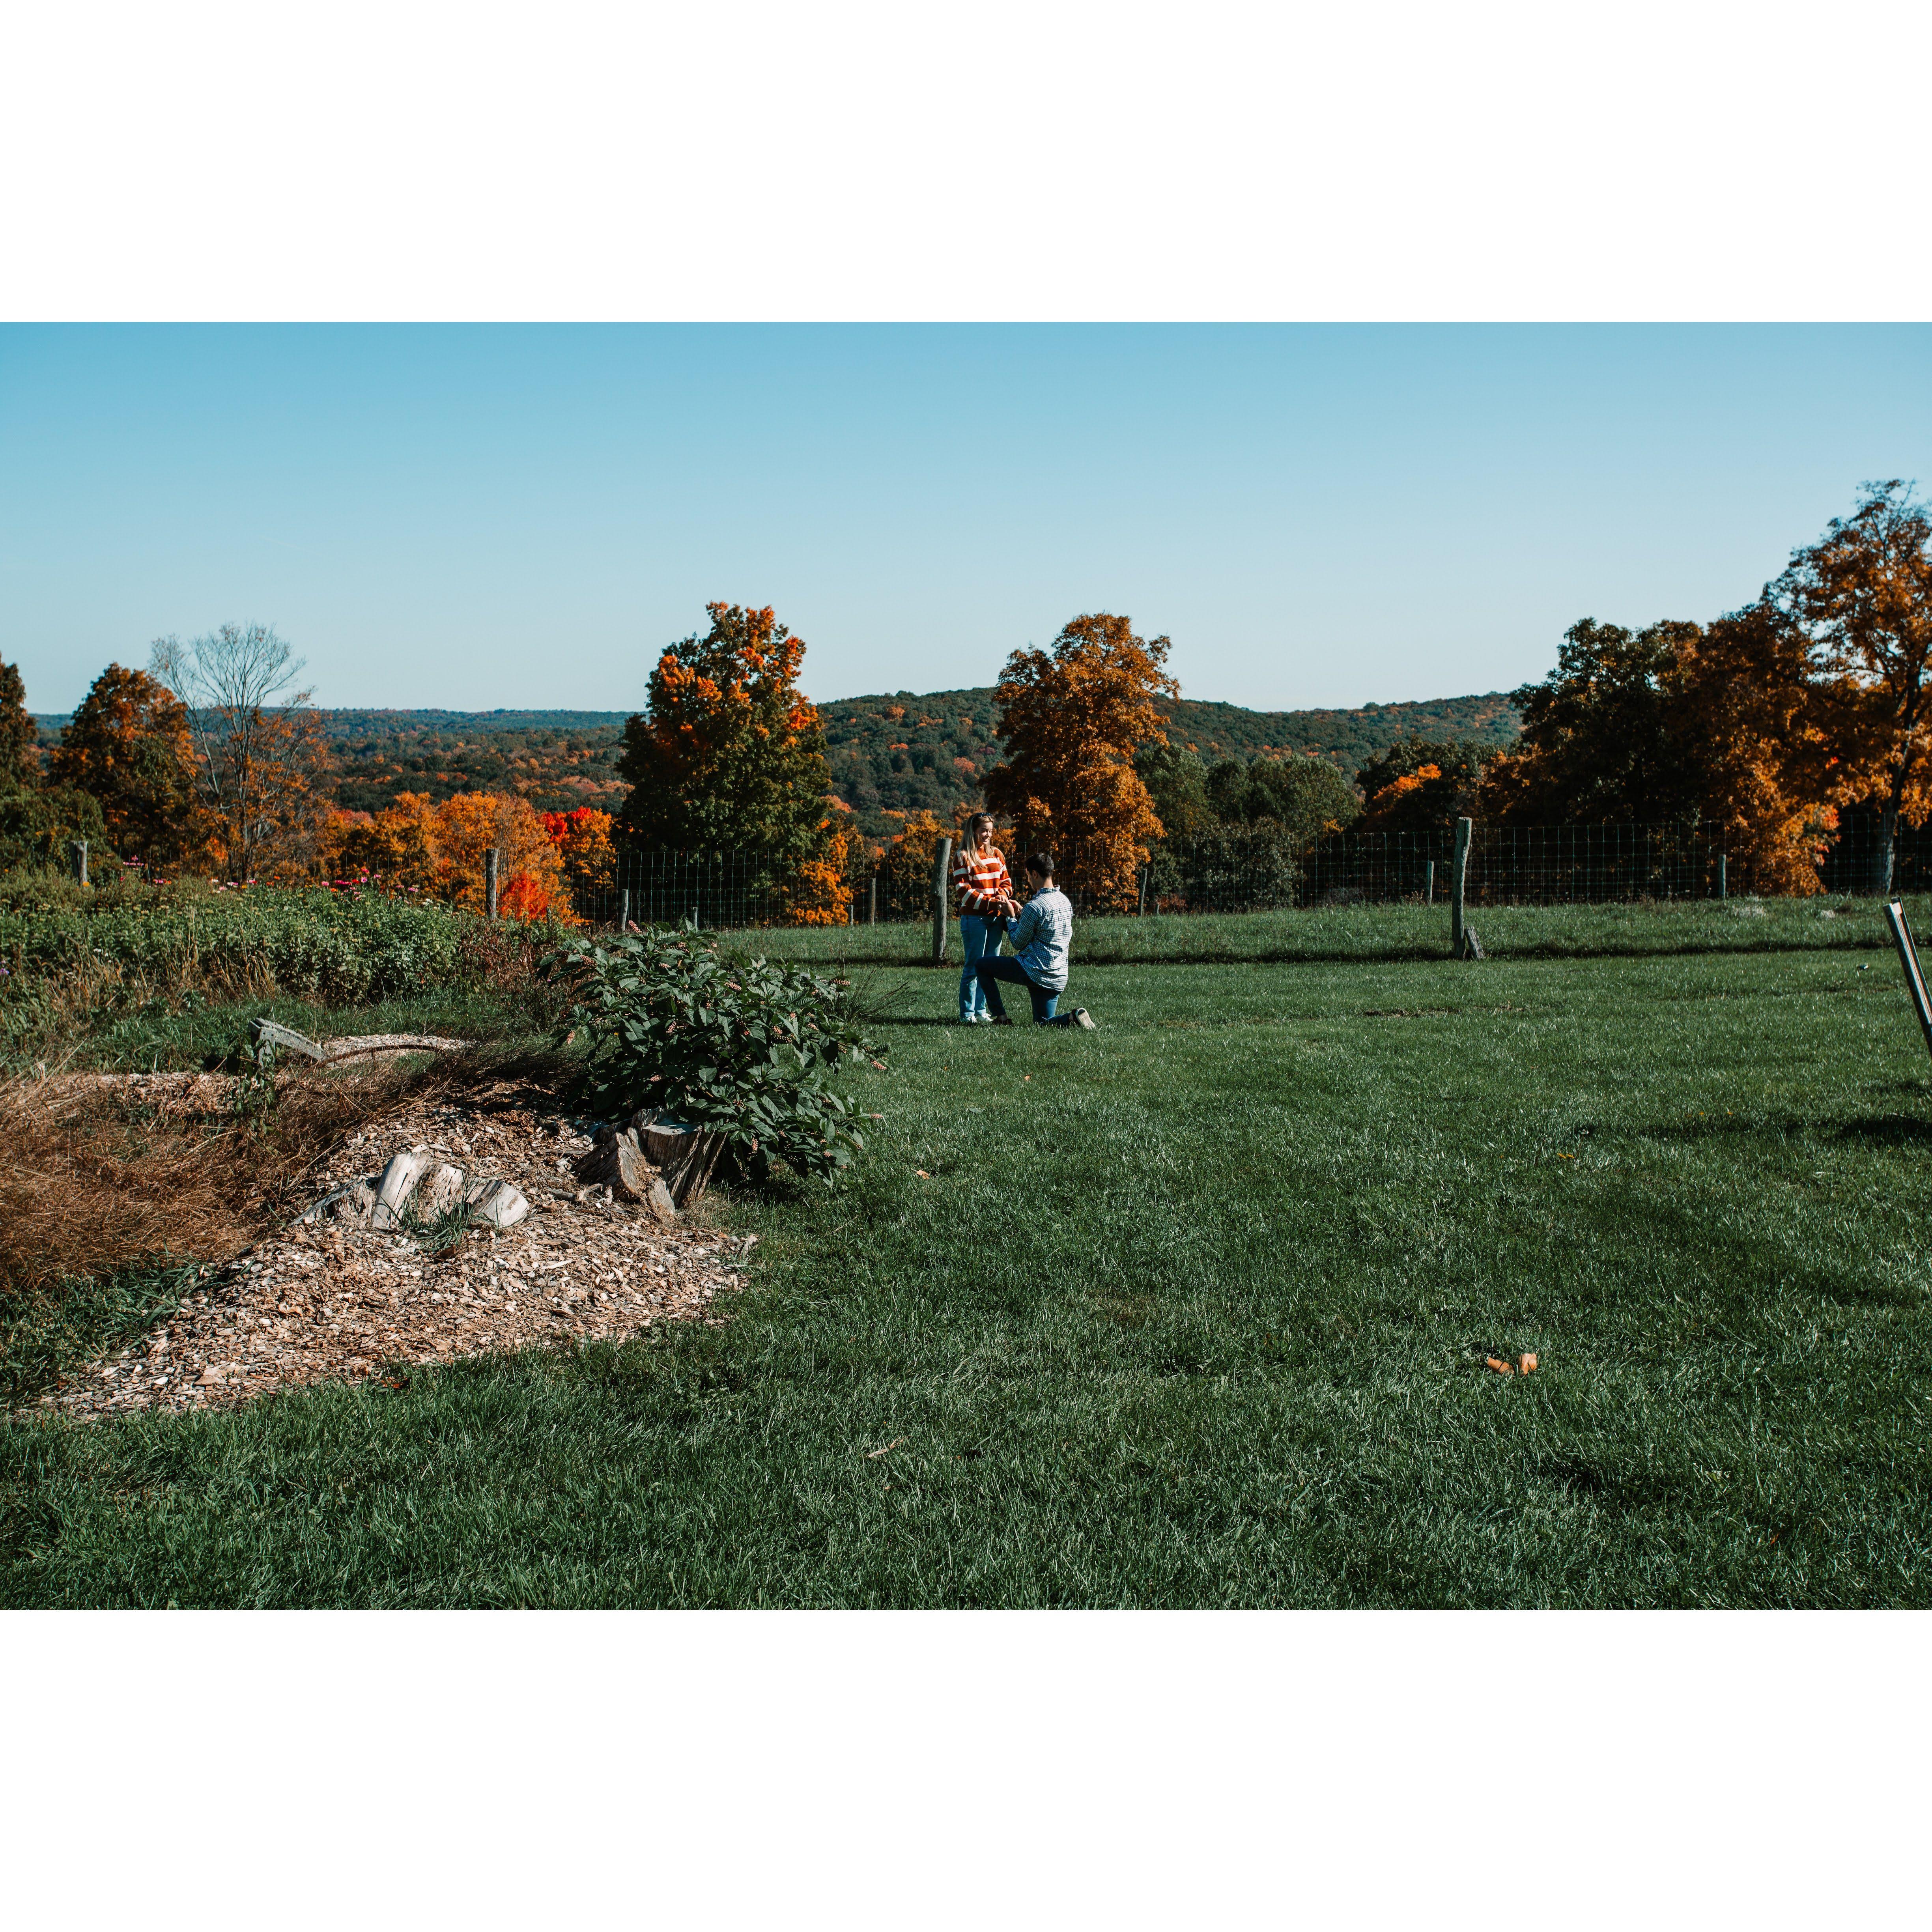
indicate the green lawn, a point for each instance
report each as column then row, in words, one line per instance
column 1192, row 1310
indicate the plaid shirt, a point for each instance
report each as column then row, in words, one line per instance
column 979, row 878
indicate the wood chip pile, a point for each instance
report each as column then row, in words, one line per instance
column 331, row 1299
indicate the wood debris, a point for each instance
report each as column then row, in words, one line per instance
column 330, row 1298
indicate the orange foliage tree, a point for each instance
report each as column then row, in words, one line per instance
column 818, row 891
column 583, row 841
column 1072, row 717
column 1862, row 596
column 438, row 850
column 129, row 744
column 730, row 756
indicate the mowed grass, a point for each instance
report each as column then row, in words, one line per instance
column 1192, row 1310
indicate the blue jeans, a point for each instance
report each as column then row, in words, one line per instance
column 993, row 970
column 981, row 938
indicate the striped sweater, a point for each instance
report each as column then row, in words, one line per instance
column 979, row 878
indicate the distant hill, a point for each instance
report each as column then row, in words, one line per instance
column 893, row 751
column 900, row 751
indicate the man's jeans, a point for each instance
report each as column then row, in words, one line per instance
column 980, row 937
column 992, row 970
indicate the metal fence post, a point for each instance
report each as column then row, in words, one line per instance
column 872, row 900
column 1140, row 910
column 492, row 860
column 1458, row 883
column 1723, row 882
column 939, row 866
column 624, row 910
column 1429, row 884
column 1908, row 958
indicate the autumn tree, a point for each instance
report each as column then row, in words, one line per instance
column 130, row 745
column 438, row 850
column 1421, row 785
column 583, row 841
column 729, row 754
column 260, row 756
column 1862, row 596
column 1758, row 730
column 1072, row 717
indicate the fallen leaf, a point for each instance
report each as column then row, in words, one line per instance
column 1500, row 1367
column 1526, row 1363
column 871, row 1454
column 1026, row 1076
column 922, row 1173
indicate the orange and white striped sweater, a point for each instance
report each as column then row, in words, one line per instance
column 978, row 879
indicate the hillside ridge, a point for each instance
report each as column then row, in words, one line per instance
column 891, row 752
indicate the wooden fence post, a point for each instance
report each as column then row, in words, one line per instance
column 1140, row 910
column 940, row 868
column 1723, row 884
column 1429, row 884
column 492, row 861
column 624, row 910
column 80, row 860
column 1458, row 880
column 1908, row 958
column 872, row 900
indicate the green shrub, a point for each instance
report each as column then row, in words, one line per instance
column 745, row 1046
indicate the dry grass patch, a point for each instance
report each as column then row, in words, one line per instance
column 105, row 1177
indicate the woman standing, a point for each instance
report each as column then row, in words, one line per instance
column 986, row 902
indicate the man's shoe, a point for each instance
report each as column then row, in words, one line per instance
column 1083, row 1019
column 1002, row 1019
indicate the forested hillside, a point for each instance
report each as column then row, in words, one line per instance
column 902, row 752
column 895, row 752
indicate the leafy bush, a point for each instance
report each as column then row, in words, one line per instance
column 746, row 1047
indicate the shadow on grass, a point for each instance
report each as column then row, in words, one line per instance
column 1888, row 1130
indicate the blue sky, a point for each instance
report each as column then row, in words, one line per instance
column 484, row 516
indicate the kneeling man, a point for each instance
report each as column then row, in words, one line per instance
column 1040, row 937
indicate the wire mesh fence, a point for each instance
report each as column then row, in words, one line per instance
column 1258, row 869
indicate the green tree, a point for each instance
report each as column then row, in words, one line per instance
column 1597, row 745
column 730, row 755
column 1177, row 780
column 19, row 751
column 1302, row 798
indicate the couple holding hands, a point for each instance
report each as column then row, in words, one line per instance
column 1041, row 931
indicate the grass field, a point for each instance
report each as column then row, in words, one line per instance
column 1192, row 1310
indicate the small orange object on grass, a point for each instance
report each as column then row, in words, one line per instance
column 1525, row 1362
column 1501, row 1367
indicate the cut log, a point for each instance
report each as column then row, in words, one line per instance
column 367, row 1045
column 495, row 1202
column 398, row 1183
column 683, row 1154
column 617, row 1161
column 275, row 1034
column 442, row 1191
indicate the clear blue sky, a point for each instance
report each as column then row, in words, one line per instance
column 477, row 517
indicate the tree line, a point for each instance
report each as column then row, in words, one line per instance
column 1768, row 726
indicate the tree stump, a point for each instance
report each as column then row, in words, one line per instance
column 617, row 1160
column 683, row 1154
